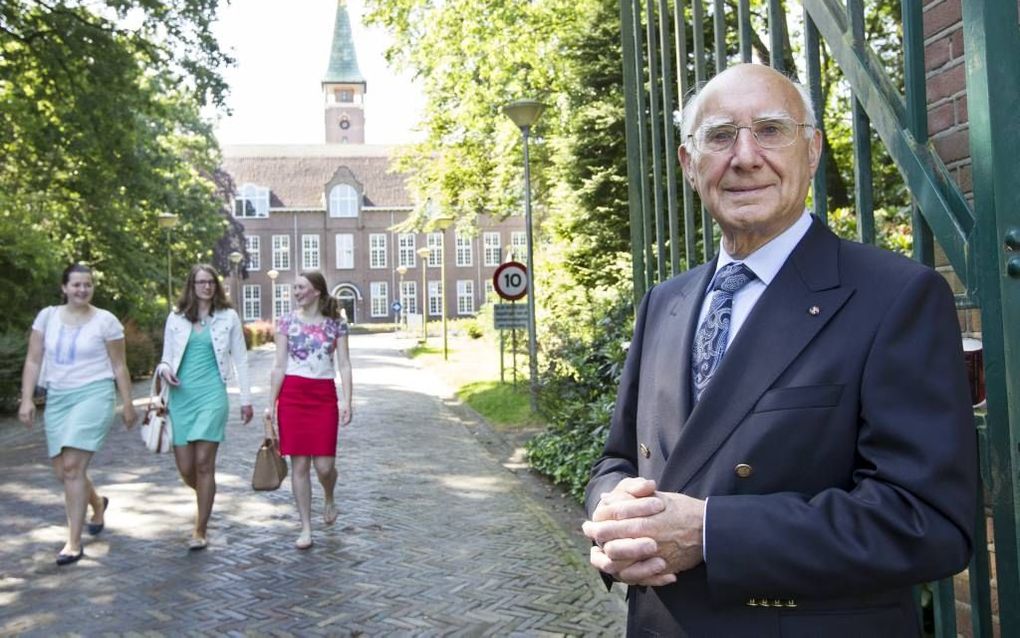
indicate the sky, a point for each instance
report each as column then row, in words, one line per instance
column 282, row 50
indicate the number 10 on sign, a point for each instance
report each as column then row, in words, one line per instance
column 511, row 280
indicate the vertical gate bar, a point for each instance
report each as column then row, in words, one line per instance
column 653, row 120
column 670, row 140
column 646, row 203
column 812, row 54
column 698, row 31
column 776, row 26
column 744, row 27
column 631, row 138
column 917, row 114
column 992, row 41
column 690, row 232
column 719, row 29
column 944, row 599
column 863, row 181
column 979, row 571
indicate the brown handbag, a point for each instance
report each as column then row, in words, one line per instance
column 270, row 467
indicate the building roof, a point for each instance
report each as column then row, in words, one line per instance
column 343, row 59
column 296, row 175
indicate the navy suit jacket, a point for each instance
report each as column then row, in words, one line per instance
column 845, row 403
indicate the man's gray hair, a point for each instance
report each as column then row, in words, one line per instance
column 690, row 111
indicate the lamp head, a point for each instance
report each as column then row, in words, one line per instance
column 167, row 220
column 273, row 274
column 235, row 257
column 524, row 113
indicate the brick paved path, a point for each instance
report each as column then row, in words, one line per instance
column 435, row 536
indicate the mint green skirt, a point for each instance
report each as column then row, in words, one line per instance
column 79, row 418
column 198, row 407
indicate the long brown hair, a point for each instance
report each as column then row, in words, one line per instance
column 328, row 305
column 187, row 304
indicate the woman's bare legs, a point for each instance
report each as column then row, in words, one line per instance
column 301, row 483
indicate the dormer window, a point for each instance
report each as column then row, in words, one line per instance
column 343, row 201
column 345, row 96
column 251, row 201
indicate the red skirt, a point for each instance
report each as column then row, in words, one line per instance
column 309, row 416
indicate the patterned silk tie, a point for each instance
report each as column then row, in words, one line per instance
column 710, row 340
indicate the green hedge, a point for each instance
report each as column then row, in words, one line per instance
column 13, row 347
column 578, row 395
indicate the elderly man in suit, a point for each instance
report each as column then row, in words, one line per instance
column 792, row 446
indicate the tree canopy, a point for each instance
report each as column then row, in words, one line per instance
column 100, row 133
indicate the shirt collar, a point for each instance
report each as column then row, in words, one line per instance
column 768, row 259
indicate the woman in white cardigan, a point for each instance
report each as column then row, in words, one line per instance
column 202, row 341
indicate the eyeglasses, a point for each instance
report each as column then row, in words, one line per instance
column 770, row 133
column 205, row 282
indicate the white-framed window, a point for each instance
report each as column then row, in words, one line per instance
column 377, row 250
column 253, row 246
column 490, row 291
column 343, row 201
column 251, row 201
column 465, row 250
column 435, row 297
column 380, row 298
column 435, row 245
column 465, row 297
column 281, row 300
column 281, row 252
column 409, row 296
column 491, row 248
column 519, row 242
column 252, row 304
column 406, row 255
column 310, row 252
column 344, row 251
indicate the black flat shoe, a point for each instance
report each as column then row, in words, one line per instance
column 67, row 559
column 95, row 528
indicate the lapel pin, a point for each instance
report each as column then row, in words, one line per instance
column 813, row 311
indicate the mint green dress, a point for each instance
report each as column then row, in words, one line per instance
column 198, row 406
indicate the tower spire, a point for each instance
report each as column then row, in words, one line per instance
column 344, row 86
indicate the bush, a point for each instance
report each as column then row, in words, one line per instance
column 474, row 330
column 579, row 393
column 139, row 350
column 257, row 333
column 13, row 347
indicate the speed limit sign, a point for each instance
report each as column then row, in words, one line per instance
column 511, row 280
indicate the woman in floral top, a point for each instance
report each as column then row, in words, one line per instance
column 311, row 350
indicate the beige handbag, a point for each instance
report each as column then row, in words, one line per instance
column 270, row 467
column 157, row 433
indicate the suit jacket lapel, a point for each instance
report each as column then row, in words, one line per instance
column 675, row 352
column 781, row 325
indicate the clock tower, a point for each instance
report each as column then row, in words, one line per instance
column 343, row 87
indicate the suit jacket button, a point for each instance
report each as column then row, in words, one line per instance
column 743, row 470
column 752, row 602
column 791, row 603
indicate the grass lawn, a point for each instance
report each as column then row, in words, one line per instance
column 472, row 369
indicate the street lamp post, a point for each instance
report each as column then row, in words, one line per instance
column 167, row 221
column 235, row 258
column 442, row 222
column 524, row 114
column 273, row 274
column 423, row 252
column 401, row 270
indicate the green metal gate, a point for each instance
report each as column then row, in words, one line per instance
column 664, row 47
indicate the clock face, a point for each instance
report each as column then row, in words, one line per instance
column 345, row 124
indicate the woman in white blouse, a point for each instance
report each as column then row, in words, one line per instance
column 311, row 352
column 83, row 347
